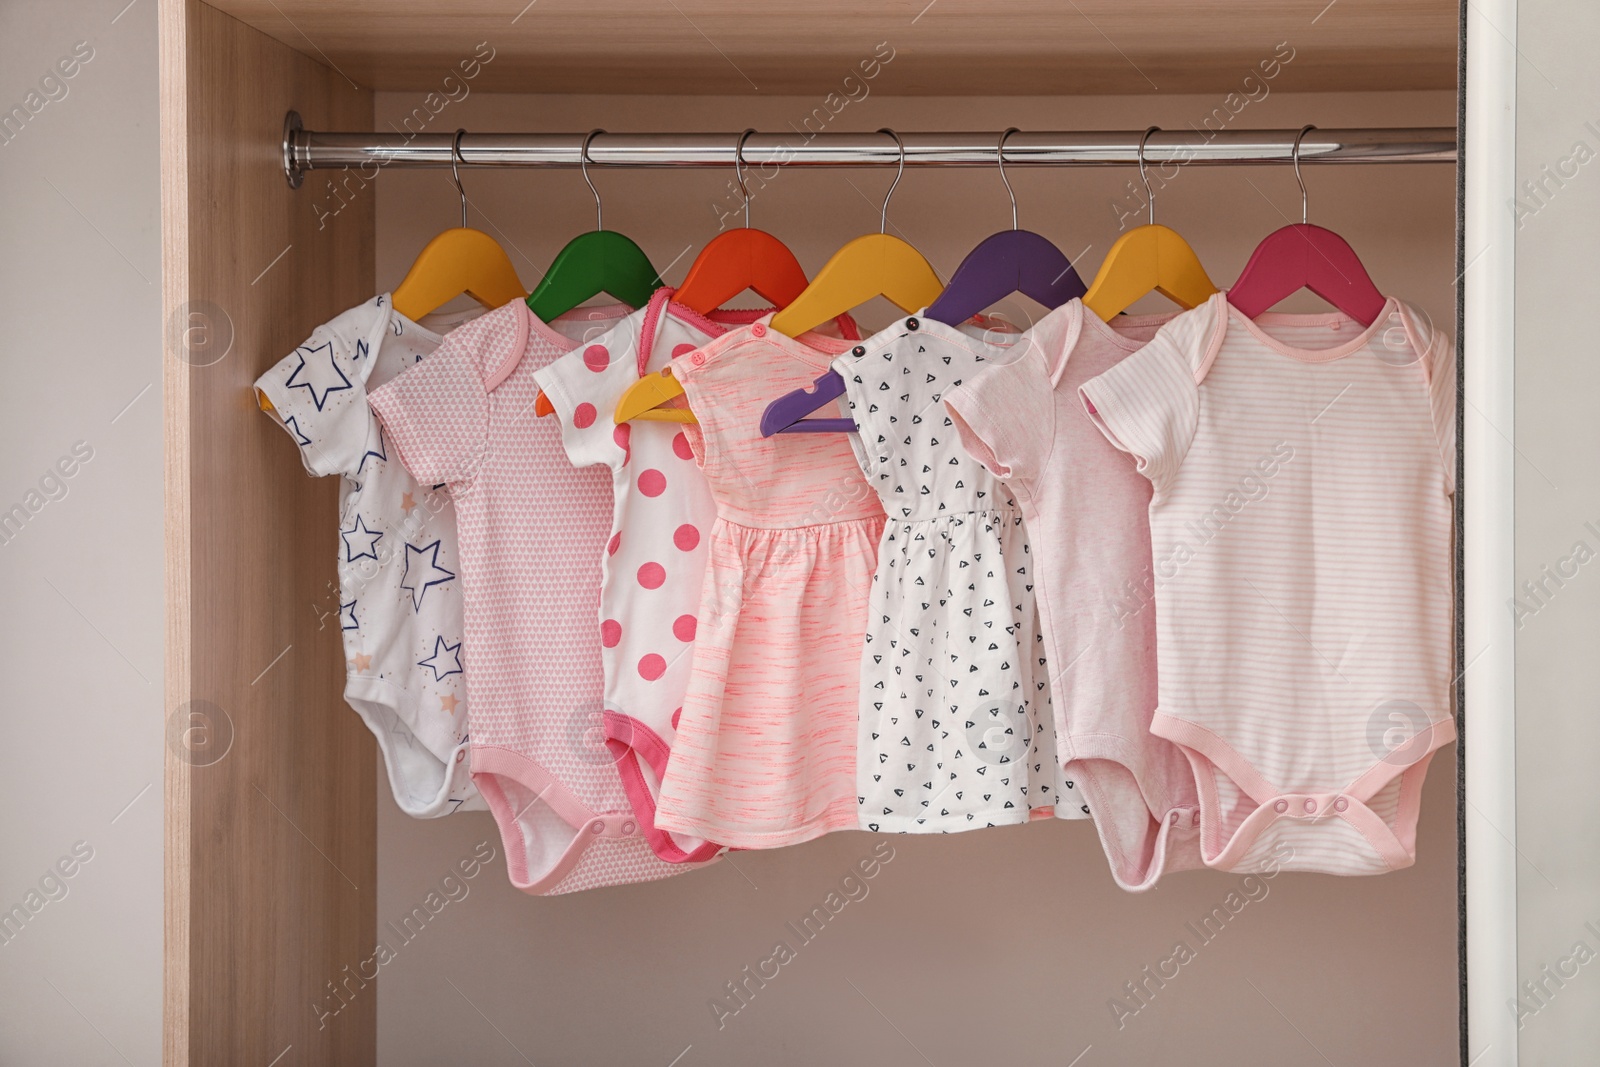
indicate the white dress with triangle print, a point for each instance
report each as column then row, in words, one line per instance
column 955, row 730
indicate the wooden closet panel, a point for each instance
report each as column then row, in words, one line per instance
column 271, row 848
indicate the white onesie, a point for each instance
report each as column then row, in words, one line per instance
column 655, row 559
column 399, row 604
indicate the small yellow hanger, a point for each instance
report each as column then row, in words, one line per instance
column 1149, row 258
column 874, row 265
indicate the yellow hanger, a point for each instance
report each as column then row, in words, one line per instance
column 459, row 260
column 874, row 265
column 643, row 400
column 1149, row 258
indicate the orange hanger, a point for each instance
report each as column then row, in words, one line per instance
column 1149, row 258
column 729, row 264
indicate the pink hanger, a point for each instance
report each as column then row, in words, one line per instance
column 1302, row 256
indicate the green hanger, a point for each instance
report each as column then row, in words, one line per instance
column 600, row 261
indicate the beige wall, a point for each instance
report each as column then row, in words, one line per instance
column 995, row 947
column 81, row 581
column 1557, row 484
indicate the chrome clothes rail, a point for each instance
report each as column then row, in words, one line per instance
column 305, row 150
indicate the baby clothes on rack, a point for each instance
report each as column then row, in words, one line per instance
column 531, row 529
column 955, row 726
column 1087, row 514
column 1302, row 469
column 765, row 749
column 398, row 608
column 653, row 565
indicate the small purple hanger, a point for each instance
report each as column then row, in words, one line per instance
column 1011, row 261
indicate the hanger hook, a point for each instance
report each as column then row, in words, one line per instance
column 583, row 161
column 455, row 157
column 738, row 173
column 1304, row 216
column 1000, row 158
column 1149, row 194
column 883, row 216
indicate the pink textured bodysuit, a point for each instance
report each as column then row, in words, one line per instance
column 766, row 746
column 531, row 530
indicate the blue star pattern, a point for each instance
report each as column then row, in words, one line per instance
column 300, row 438
column 444, row 656
column 382, row 453
column 418, row 582
column 319, row 376
column 347, row 616
column 358, row 536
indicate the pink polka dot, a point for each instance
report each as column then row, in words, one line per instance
column 676, row 715
column 686, row 537
column 583, row 416
column 622, row 435
column 596, row 358
column 680, row 446
column 610, row 633
column 616, row 543
column 652, row 667
column 651, row 575
column 652, row 482
column 683, row 627
column 679, row 350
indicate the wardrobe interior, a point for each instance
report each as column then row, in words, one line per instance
column 1006, row 945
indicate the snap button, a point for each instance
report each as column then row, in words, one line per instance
column 698, row 359
column 1311, row 805
column 911, row 323
column 859, row 350
column 1281, row 806
column 1173, row 818
column 759, row 329
column 1340, row 804
column 461, row 755
column 597, row 827
column 628, row 827
column 1194, row 820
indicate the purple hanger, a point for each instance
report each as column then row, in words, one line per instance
column 1011, row 261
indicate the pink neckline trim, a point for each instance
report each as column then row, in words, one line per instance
column 1289, row 318
column 1108, row 332
column 529, row 324
column 813, row 349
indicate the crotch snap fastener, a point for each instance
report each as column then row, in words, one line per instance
column 628, row 827
column 1311, row 805
column 1173, row 818
column 596, row 828
column 1281, row 806
column 1340, row 804
column 1194, row 820
column 759, row 330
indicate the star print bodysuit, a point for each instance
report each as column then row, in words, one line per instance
column 532, row 528
column 955, row 730
column 398, row 604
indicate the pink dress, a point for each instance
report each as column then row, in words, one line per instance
column 766, row 745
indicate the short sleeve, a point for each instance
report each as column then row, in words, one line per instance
column 437, row 412
column 1439, row 365
column 1148, row 405
column 1005, row 415
column 318, row 392
column 584, row 386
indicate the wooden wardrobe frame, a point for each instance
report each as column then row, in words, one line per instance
column 271, row 850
